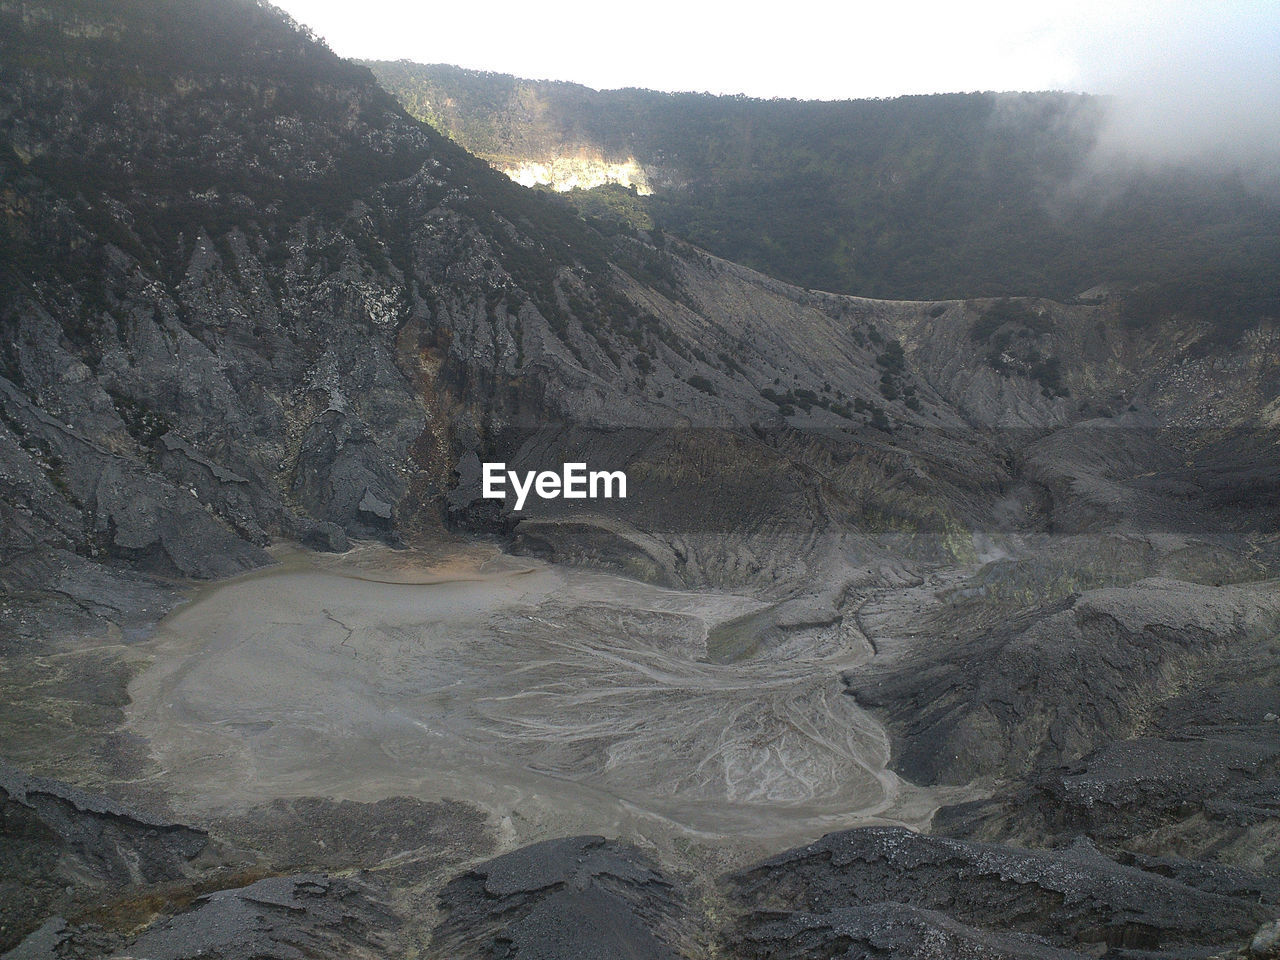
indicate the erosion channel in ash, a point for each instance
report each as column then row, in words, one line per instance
column 558, row 700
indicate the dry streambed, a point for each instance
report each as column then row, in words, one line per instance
column 558, row 700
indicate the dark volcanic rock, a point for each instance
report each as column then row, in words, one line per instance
column 317, row 832
column 56, row 840
column 1202, row 784
column 1052, row 685
column 280, row 917
column 1076, row 899
column 884, row 931
column 57, row 595
column 581, row 897
column 129, row 512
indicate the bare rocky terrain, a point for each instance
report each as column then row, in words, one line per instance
column 277, row 681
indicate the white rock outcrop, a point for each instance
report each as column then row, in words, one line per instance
column 565, row 173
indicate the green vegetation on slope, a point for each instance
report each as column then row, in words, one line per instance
column 925, row 197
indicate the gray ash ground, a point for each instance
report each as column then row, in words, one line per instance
column 327, row 751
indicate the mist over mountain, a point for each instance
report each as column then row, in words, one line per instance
column 1194, row 89
column 915, row 197
column 942, row 626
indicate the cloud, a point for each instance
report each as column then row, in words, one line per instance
column 1190, row 84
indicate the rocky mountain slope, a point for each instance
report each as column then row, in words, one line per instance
column 298, row 321
column 245, row 297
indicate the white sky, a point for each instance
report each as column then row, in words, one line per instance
column 812, row 49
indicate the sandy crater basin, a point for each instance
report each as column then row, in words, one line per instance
column 558, row 700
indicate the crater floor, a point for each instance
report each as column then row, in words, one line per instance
column 558, row 700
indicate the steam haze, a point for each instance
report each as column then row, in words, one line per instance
column 1194, row 84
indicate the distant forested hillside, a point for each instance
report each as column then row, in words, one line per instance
column 916, row 197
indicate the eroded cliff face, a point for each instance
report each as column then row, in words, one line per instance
column 248, row 297
column 245, row 296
